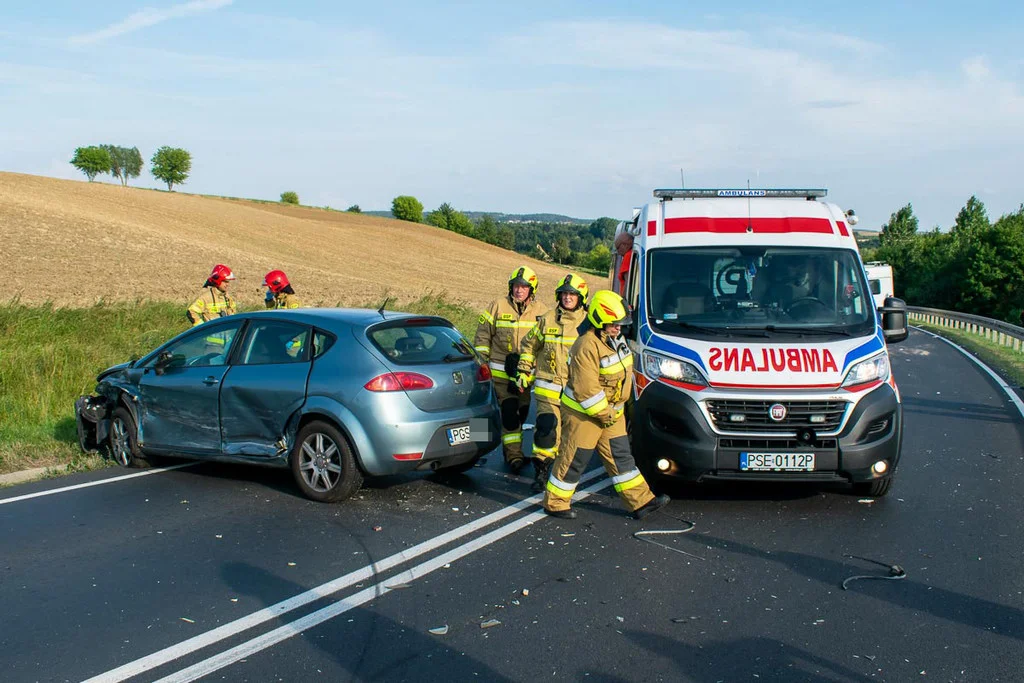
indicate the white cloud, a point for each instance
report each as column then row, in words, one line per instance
column 148, row 17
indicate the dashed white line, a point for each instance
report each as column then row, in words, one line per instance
column 233, row 628
column 100, row 482
column 248, row 648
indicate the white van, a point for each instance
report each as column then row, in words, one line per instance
column 759, row 351
column 879, row 281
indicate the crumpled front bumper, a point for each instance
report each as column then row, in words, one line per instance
column 92, row 419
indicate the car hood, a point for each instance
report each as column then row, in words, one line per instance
column 112, row 369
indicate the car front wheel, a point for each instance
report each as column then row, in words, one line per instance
column 323, row 464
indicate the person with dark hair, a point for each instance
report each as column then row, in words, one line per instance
column 279, row 291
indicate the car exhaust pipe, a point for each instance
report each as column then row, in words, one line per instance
column 434, row 465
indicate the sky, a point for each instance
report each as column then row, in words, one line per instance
column 576, row 107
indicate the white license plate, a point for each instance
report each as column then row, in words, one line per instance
column 775, row 462
column 458, row 435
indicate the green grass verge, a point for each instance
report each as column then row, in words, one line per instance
column 1006, row 361
column 50, row 356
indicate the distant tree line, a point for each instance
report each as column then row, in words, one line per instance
column 570, row 244
column 975, row 267
column 171, row 165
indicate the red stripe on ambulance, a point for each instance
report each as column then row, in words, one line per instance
column 733, row 359
column 787, row 224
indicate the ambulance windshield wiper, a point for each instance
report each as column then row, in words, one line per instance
column 809, row 331
column 720, row 331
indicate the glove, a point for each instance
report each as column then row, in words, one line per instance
column 607, row 419
column 522, row 383
column 269, row 297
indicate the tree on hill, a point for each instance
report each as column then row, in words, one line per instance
column 448, row 218
column 290, row 197
column 407, row 208
column 171, row 165
column 902, row 226
column 91, row 161
column 354, row 209
column 599, row 258
column 125, row 162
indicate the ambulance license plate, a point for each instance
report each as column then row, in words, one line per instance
column 777, row 462
column 458, row 435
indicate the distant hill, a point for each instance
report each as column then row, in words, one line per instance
column 867, row 239
column 509, row 217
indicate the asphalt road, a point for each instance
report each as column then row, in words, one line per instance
column 227, row 573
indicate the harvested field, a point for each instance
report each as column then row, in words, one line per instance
column 76, row 243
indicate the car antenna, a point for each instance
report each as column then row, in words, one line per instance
column 384, row 305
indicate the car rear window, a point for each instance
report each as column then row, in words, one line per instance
column 420, row 342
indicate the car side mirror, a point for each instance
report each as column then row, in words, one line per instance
column 894, row 320
column 165, row 360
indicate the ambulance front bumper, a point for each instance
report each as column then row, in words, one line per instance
column 669, row 426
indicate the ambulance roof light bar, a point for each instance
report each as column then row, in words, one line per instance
column 710, row 193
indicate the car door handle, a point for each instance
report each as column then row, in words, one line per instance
column 211, row 380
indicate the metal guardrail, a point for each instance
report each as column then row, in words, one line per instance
column 996, row 331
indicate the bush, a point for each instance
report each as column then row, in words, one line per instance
column 290, row 197
column 354, row 209
column 406, row 208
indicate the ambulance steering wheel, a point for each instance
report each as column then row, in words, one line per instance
column 807, row 303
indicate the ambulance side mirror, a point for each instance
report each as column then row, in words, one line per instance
column 894, row 320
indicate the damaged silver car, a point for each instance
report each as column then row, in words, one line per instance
column 334, row 394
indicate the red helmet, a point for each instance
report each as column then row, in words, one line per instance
column 220, row 274
column 276, row 280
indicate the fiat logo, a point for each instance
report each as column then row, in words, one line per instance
column 777, row 412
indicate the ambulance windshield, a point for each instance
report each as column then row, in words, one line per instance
column 759, row 290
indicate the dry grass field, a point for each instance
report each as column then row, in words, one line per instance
column 75, row 243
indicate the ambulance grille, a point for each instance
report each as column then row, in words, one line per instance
column 756, row 418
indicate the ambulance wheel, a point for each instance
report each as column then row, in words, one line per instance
column 875, row 489
column 123, row 441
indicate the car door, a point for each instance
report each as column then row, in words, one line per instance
column 180, row 402
column 264, row 387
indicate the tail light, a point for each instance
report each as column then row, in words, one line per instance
column 483, row 373
column 399, row 381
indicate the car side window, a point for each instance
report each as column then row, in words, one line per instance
column 274, row 342
column 321, row 342
column 208, row 346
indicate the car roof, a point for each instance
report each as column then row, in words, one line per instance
column 333, row 318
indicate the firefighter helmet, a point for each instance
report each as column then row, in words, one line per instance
column 523, row 275
column 220, row 273
column 573, row 284
column 276, row 280
column 607, row 308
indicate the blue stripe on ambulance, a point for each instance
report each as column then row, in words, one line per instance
column 656, row 343
column 869, row 347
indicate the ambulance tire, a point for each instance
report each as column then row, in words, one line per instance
column 874, row 489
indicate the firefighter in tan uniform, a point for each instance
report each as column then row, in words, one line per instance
column 544, row 355
column 593, row 403
column 279, row 291
column 498, row 338
column 215, row 302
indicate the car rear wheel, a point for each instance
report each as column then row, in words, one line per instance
column 124, row 449
column 323, row 464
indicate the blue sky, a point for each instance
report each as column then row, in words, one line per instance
column 579, row 108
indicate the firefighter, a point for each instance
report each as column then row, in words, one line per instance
column 544, row 355
column 593, row 403
column 498, row 337
column 215, row 302
column 279, row 291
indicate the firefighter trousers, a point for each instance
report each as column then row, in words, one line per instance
column 581, row 436
column 514, row 409
column 547, row 429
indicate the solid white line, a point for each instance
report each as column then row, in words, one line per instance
column 50, row 492
column 241, row 624
column 1014, row 398
column 228, row 657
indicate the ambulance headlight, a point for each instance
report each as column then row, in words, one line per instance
column 673, row 369
column 871, row 370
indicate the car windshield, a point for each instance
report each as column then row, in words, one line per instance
column 420, row 341
column 758, row 291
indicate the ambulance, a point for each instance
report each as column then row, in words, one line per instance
column 759, row 353
column 879, row 281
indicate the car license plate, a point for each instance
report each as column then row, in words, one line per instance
column 772, row 462
column 458, row 435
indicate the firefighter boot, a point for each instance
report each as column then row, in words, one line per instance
column 541, row 472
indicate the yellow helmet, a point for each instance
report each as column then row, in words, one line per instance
column 523, row 275
column 607, row 308
column 573, row 284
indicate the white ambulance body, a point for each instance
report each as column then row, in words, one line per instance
column 759, row 351
column 879, row 281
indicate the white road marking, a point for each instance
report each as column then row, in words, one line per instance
column 251, row 647
column 1014, row 398
column 237, row 626
column 111, row 480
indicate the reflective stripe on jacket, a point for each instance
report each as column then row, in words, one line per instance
column 546, row 348
column 600, row 376
column 210, row 305
column 283, row 300
column 501, row 329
